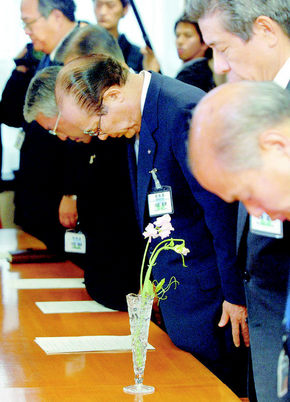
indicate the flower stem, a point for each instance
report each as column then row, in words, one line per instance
column 143, row 263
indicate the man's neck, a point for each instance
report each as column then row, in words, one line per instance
column 63, row 31
column 114, row 31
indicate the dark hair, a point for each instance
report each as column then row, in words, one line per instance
column 87, row 78
column 67, row 7
column 188, row 19
column 125, row 3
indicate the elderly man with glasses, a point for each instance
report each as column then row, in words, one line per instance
column 39, row 181
column 153, row 112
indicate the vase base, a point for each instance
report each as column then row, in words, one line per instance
column 139, row 389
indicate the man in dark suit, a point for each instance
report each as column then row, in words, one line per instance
column 153, row 111
column 251, row 41
column 39, row 181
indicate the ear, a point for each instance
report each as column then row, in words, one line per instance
column 113, row 94
column 266, row 28
column 57, row 14
column 274, row 140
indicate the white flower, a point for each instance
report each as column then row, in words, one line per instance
column 150, row 231
column 180, row 249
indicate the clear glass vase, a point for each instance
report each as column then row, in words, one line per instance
column 139, row 309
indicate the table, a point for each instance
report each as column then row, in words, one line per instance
column 28, row 374
column 16, row 239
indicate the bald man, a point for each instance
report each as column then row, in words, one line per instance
column 243, row 153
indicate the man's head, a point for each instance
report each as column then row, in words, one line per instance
column 99, row 95
column 188, row 39
column 47, row 21
column 250, row 39
column 239, row 145
column 109, row 13
column 92, row 39
column 40, row 105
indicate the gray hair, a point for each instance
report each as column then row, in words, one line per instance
column 92, row 39
column 239, row 15
column 40, row 96
column 256, row 107
column 67, row 7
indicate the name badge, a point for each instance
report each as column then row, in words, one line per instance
column 74, row 242
column 19, row 140
column 160, row 202
column 265, row 226
column 282, row 374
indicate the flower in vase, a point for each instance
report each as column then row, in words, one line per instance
column 160, row 228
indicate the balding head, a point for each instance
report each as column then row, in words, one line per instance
column 237, row 128
column 228, row 122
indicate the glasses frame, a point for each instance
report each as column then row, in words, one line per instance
column 98, row 131
column 53, row 132
column 28, row 24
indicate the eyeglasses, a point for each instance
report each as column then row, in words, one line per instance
column 29, row 23
column 95, row 133
column 53, row 132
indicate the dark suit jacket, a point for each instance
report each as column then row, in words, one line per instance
column 207, row 224
column 198, row 73
column 265, row 262
column 132, row 55
column 40, row 179
column 114, row 244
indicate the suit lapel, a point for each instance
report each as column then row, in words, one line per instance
column 242, row 219
column 147, row 146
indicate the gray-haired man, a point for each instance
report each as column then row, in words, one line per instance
column 48, row 23
column 251, row 40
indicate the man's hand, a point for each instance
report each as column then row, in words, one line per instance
column 68, row 214
column 150, row 61
column 238, row 315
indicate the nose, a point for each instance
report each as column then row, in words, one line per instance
column 179, row 40
column 102, row 10
column 221, row 66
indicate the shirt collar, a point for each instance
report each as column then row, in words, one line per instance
column 283, row 76
column 146, row 83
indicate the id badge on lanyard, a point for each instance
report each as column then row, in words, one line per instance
column 265, row 226
column 74, row 242
column 160, row 200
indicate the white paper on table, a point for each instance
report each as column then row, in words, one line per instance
column 77, row 344
column 82, row 306
column 48, row 283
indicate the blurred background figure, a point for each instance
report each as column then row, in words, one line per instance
column 194, row 53
column 109, row 13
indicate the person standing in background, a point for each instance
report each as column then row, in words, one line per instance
column 194, row 53
column 108, row 14
column 39, row 181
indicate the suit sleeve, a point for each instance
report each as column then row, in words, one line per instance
column 13, row 97
column 221, row 221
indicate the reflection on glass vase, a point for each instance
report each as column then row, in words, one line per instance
column 139, row 309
